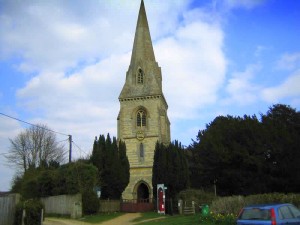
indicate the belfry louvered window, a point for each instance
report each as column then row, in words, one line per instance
column 141, row 118
column 140, row 76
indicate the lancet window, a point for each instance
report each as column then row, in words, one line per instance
column 141, row 118
column 141, row 151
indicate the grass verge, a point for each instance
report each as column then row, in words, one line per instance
column 148, row 216
column 171, row 220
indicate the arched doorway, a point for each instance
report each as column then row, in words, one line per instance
column 143, row 193
column 142, row 201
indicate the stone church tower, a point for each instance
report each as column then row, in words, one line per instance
column 143, row 119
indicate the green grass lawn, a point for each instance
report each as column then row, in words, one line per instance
column 100, row 217
column 153, row 217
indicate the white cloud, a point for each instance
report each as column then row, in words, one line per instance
column 84, row 104
column 289, row 88
column 241, row 88
column 247, row 4
column 289, row 61
column 188, row 56
column 57, row 35
column 193, row 66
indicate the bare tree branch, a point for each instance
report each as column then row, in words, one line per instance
column 34, row 147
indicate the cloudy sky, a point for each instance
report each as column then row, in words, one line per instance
column 63, row 63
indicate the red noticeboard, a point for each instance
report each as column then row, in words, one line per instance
column 161, row 198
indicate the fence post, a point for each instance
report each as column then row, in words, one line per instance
column 23, row 216
column 193, row 205
column 180, row 206
column 42, row 216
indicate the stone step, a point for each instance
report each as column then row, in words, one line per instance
column 188, row 210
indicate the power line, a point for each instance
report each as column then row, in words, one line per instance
column 70, row 136
column 33, row 124
column 79, row 148
column 63, row 140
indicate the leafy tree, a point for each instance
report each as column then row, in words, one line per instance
column 34, row 147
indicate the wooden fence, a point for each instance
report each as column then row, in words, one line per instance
column 70, row 205
column 137, row 206
column 7, row 208
column 109, row 206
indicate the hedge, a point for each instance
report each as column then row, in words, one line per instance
column 233, row 204
column 33, row 212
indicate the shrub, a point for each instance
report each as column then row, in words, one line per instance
column 33, row 211
column 30, row 189
column 273, row 198
column 198, row 196
column 228, row 205
column 218, row 219
column 18, row 214
column 90, row 202
column 233, row 204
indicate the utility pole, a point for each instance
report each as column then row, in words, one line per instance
column 70, row 148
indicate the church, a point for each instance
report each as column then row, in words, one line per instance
column 142, row 120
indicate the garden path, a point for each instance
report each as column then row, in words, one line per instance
column 125, row 219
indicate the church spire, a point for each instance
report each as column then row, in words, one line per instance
column 143, row 77
column 142, row 46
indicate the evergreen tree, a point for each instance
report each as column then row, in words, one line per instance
column 238, row 152
column 113, row 166
column 282, row 125
column 170, row 168
column 125, row 174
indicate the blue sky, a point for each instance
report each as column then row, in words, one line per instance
column 63, row 63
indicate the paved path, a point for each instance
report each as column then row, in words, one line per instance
column 125, row 219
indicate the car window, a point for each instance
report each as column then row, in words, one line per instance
column 295, row 211
column 285, row 213
column 255, row 214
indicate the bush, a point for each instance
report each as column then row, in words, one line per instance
column 228, row 205
column 218, row 219
column 33, row 211
column 273, row 198
column 233, row 204
column 90, row 202
column 200, row 197
column 18, row 214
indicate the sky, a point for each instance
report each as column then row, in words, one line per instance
column 63, row 63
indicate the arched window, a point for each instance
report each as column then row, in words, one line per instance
column 140, row 76
column 141, row 118
column 141, row 151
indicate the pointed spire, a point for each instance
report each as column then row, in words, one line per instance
column 142, row 46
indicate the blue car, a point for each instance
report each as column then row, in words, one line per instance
column 269, row 214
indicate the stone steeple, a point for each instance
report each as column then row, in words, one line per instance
column 143, row 120
column 142, row 61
